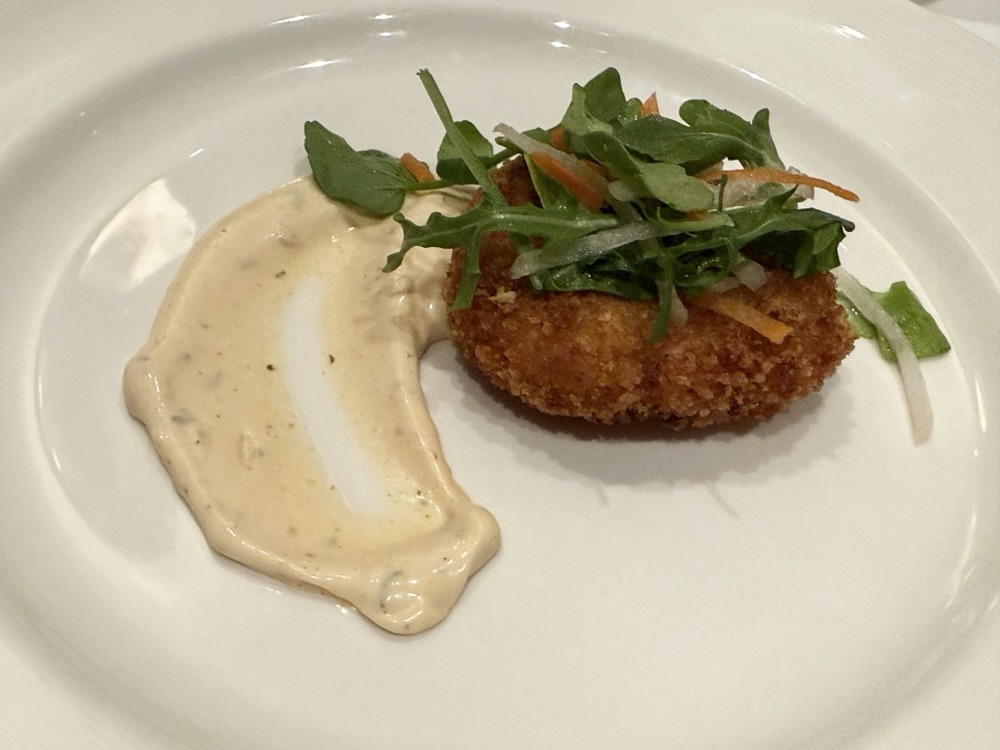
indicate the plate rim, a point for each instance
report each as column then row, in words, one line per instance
column 14, row 136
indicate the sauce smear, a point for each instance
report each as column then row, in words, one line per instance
column 280, row 386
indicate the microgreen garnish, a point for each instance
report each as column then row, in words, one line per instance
column 625, row 205
column 372, row 180
column 904, row 307
column 632, row 203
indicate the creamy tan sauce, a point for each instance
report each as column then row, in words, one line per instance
column 280, row 386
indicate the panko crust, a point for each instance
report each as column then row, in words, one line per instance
column 588, row 354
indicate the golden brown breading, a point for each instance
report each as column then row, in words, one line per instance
column 587, row 354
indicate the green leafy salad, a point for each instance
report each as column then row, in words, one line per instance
column 631, row 203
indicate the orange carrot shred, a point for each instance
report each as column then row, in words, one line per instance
column 598, row 169
column 420, row 171
column 650, row 106
column 584, row 191
column 558, row 137
column 767, row 174
column 770, row 328
column 712, row 174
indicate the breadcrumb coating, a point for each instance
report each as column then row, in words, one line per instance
column 588, row 354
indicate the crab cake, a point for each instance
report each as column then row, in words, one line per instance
column 588, row 354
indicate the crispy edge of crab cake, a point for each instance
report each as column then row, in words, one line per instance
column 588, row 354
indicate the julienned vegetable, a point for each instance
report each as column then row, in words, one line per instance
column 904, row 309
column 657, row 182
column 633, row 203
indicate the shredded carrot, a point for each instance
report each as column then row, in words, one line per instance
column 577, row 184
column 770, row 328
column 420, row 171
column 558, row 137
column 599, row 169
column 650, row 106
column 712, row 174
column 767, row 174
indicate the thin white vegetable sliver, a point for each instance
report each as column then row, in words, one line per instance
column 918, row 401
column 590, row 246
column 530, row 146
column 750, row 273
column 678, row 313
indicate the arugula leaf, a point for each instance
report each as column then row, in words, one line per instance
column 670, row 142
column 583, row 279
column 604, row 95
column 710, row 136
column 526, row 221
column 665, row 228
column 758, row 148
column 803, row 240
column 668, row 183
column 905, row 308
column 458, row 141
column 372, row 180
column 598, row 106
column 451, row 166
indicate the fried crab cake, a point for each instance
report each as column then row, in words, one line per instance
column 588, row 354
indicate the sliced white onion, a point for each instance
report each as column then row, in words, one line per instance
column 750, row 273
column 620, row 191
column 914, row 387
column 531, row 146
column 678, row 313
column 601, row 241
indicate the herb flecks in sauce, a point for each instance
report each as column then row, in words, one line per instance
column 236, row 454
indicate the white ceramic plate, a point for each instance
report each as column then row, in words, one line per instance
column 816, row 582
